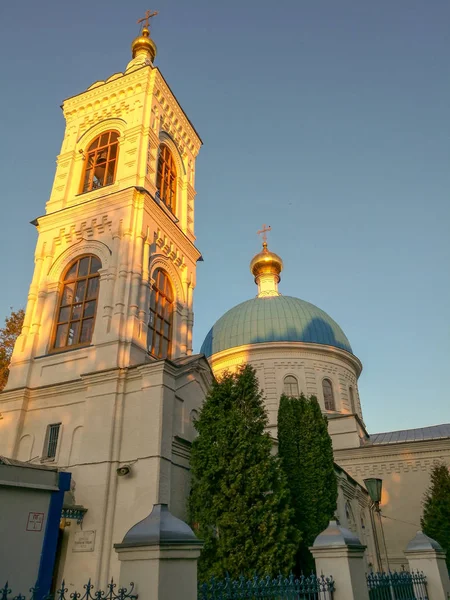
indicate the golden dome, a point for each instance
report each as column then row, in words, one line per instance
column 144, row 43
column 266, row 263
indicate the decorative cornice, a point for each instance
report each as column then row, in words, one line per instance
column 190, row 137
column 313, row 351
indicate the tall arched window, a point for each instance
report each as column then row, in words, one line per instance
column 161, row 310
column 290, row 386
column 352, row 400
column 328, row 394
column 166, row 178
column 77, row 303
column 101, row 161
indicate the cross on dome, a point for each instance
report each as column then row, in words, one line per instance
column 263, row 233
column 146, row 20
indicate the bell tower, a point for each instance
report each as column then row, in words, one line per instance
column 103, row 383
column 115, row 260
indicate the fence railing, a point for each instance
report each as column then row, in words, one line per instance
column 397, row 586
column 280, row 588
column 110, row 593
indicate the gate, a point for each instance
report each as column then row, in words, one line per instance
column 280, row 588
column 397, row 586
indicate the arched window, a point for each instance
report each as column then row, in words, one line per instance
column 101, row 161
column 328, row 395
column 78, row 303
column 160, row 323
column 352, row 400
column 166, row 178
column 290, row 386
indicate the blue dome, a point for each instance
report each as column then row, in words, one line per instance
column 274, row 319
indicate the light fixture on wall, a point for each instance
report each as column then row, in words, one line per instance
column 375, row 488
column 1, row 416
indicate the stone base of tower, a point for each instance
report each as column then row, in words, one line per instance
column 140, row 418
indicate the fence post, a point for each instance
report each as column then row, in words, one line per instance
column 339, row 553
column 425, row 555
column 159, row 555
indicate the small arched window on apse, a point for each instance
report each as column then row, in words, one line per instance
column 100, row 162
column 77, row 303
column 290, row 386
column 352, row 400
column 328, row 395
column 161, row 316
column 166, row 178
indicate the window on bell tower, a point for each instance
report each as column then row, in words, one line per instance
column 166, row 178
column 100, row 162
column 161, row 316
column 77, row 304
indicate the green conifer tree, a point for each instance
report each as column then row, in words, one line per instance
column 306, row 454
column 239, row 502
column 436, row 508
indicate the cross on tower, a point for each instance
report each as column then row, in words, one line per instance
column 146, row 20
column 263, row 232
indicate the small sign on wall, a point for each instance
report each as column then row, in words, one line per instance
column 83, row 541
column 35, row 521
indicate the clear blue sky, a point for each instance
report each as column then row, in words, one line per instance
column 328, row 120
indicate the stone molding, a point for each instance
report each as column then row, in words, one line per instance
column 159, row 261
column 311, row 351
column 82, row 246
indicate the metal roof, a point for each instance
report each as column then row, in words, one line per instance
column 274, row 319
column 434, row 432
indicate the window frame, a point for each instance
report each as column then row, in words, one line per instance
column 333, row 409
column 351, row 397
column 291, row 383
column 48, row 432
column 158, row 313
column 56, row 322
column 160, row 177
column 94, row 151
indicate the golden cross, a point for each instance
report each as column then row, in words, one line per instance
column 263, row 232
column 148, row 16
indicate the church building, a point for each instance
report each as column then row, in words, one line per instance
column 103, row 380
column 296, row 347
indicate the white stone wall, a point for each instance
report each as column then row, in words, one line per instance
column 140, row 416
column 308, row 363
column 405, row 471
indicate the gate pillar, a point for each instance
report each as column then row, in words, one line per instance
column 427, row 556
column 339, row 553
column 159, row 555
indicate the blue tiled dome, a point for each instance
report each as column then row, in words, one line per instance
column 274, row 319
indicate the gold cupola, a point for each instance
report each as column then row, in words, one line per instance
column 144, row 46
column 266, row 267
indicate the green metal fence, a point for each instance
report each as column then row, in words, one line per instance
column 267, row 588
column 397, row 586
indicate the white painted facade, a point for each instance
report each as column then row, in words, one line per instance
column 115, row 404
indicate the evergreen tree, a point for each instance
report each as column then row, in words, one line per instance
column 306, row 455
column 239, row 502
column 436, row 508
column 8, row 336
